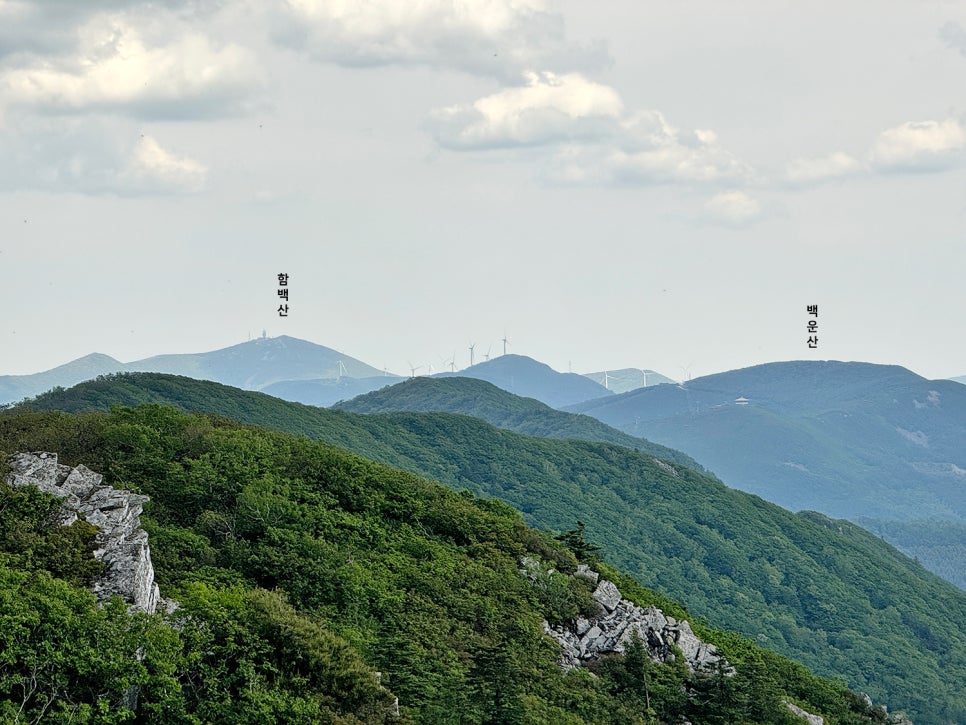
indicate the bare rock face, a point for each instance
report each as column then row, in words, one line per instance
column 807, row 716
column 122, row 545
column 619, row 623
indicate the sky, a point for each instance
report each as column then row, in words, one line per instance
column 654, row 184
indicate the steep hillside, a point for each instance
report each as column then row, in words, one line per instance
column 483, row 400
column 823, row 591
column 300, row 569
column 940, row 546
column 528, row 378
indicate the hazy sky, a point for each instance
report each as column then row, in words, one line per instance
column 613, row 184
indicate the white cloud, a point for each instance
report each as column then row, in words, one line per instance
column 153, row 169
column 645, row 150
column 548, row 109
column 733, row 208
column 817, row 169
column 114, row 70
column 61, row 154
column 593, row 139
column 487, row 37
column 919, row 146
column 653, row 151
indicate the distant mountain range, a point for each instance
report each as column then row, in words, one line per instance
column 872, row 443
column 528, row 378
column 253, row 365
column 856, row 438
column 304, row 372
column 961, row 379
column 18, row 387
column 627, row 379
column 259, row 363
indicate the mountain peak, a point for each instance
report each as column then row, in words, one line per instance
column 529, row 378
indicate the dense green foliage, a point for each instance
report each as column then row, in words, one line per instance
column 32, row 540
column 824, row 592
column 484, row 400
column 938, row 545
column 301, row 568
column 64, row 659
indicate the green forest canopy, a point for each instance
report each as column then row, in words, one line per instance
column 301, row 569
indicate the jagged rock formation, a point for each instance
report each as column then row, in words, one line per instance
column 619, row 622
column 122, row 545
column 808, row 717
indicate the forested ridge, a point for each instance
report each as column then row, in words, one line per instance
column 824, row 592
column 302, row 569
column 480, row 399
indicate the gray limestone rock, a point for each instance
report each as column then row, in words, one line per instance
column 585, row 571
column 809, row 717
column 122, row 545
column 619, row 624
column 666, row 466
column 608, row 595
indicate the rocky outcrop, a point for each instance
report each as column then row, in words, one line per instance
column 807, row 716
column 122, row 545
column 619, row 622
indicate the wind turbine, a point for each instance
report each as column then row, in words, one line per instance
column 687, row 370
column 413, row 370
column 505, row 342
column 472, row 347
column 450, row 361
column 606, row 380
column 342, row 370
column 443, row 361
column 644, row 373
column 486, row 357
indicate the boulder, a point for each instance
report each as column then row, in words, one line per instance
column 607, row 595
column 620, row 622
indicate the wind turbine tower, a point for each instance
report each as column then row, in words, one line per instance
column 505, row 342
column 472, row 346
